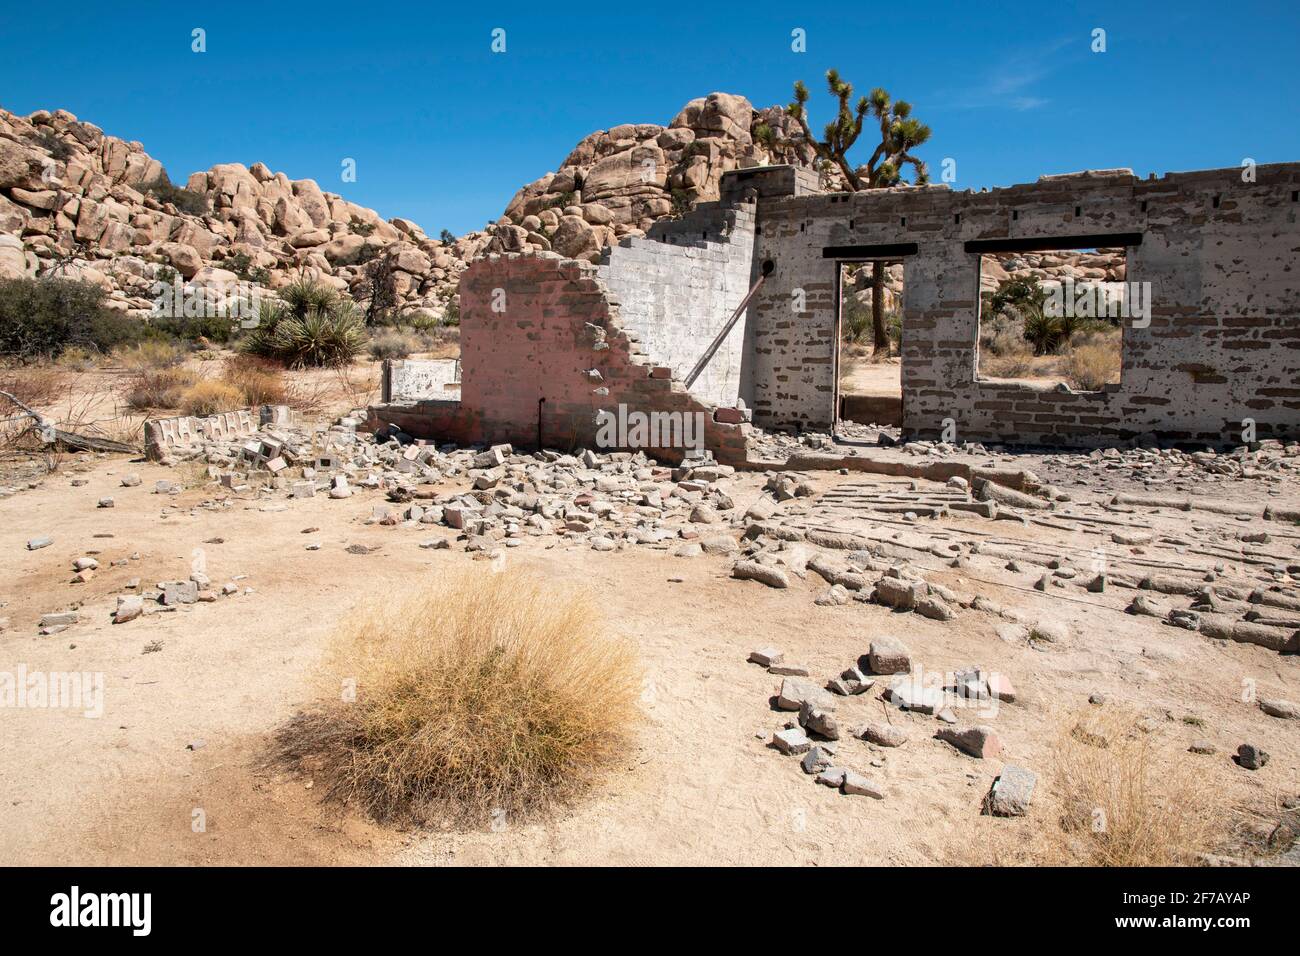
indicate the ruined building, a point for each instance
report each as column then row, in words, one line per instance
column 732, row 312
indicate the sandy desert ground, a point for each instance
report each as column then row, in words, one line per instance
column 700, row 785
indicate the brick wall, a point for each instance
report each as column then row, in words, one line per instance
column 678, row 289
column 543, row 348
column 1223, row 344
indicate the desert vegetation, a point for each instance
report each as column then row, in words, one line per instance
column 1020, row 338
column 1119, row 796
column 487, row 694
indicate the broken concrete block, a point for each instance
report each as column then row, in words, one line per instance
column 795, row 692
column 1011, row 792
column 977, row 741
column 129, row 607
column 911, row 693
column 85, row 564
column 339, row 488
column 788, row 670
column 1282, row 709
column 791, row 741
column 888, row 656
column 832, row 777
column 935, row 608
column 817, row 721
column 1001, row 688
column 899, row 594
column 35, row 544
column 855, row 784
column 1050, row 632
column 883, row 735
column 1251, row 757
column 179, row 592
column 59, row 618
column 753, row 571
column 816, row 760
column 766, row 657
column 834, row 596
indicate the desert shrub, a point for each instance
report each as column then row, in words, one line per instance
column 389, row 345
column 42, row 317
column 1123, row 802
column 165, row 191
column 78, row 359
column 311, row 326
column 213, row 328
column 446, row 237
column 420, row 321
column 856, row 316
column 1044, row 332
column 210, row 396
column 378, row 288
column 258, row 381
column 491, row 692
column 1093, row 361
column 241, row 264
column 151, row 354
column 451, row 312
column 36, row 386
column 1007, row 365
column 49, row 140
column 159, row 388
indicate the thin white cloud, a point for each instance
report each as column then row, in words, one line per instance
column 1011, row 84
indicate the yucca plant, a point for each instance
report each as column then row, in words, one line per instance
column 312, row 325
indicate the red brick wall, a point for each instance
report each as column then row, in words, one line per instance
column 534, row 328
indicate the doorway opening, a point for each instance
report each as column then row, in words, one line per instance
column 868, row 372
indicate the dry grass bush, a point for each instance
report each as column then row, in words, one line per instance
column 258, row 381
column 37, row 386
column 393, row 345
column 442, row 342
column 77, row 359
column 1009, row 365
column 1093, row 361
column 209, row 396
column 489, row 693
column 1114, row 796
column 1125, row 800
column 160, row 388
column 150, row 354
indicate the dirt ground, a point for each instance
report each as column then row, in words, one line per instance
column 701, row 785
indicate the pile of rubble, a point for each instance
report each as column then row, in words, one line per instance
column 815, row 734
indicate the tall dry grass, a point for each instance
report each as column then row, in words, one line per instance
column 160, row 388
column 487, row 693
column 1112, row 795
column 1125, row 800
column 209, row 397
column 258, row 380
column 1093, row 361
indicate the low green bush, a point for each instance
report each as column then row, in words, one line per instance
column 40, row 318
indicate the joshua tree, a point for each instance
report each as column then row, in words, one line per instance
column 378, row 287
column 899, row 135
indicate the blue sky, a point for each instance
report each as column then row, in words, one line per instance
column 444, row 131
